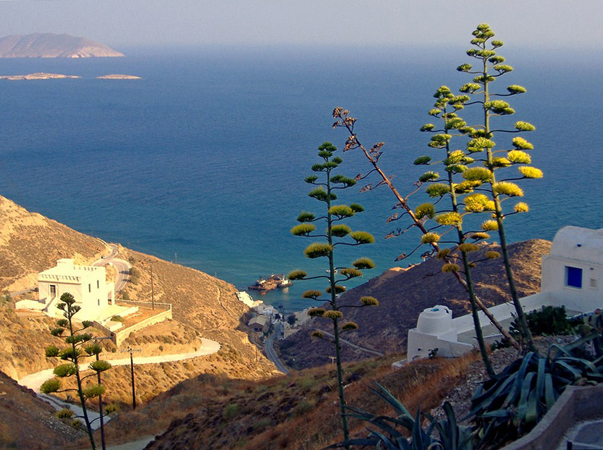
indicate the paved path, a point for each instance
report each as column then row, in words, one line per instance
column 35, row 380
column 269, row 348
column 584, row 436
column 134, row 445
column 351, row 344
column 122, row 268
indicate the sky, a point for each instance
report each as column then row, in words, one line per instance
column 537, row 24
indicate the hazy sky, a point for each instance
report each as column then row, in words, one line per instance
column 534, row 23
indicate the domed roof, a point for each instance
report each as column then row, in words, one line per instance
column 578, row 243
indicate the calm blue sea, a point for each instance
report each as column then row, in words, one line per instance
column 203, row 159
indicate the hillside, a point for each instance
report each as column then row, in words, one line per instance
column 19, row 406
column 203, row 306
column 50, row 45
column 299, row 411
column 31, row 243
column 404, row 293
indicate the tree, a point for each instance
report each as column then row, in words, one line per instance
column 291, row 319
column 79, row 346
column 462, row 201
column 482, row 141
column 336, row 235
column 344, row 120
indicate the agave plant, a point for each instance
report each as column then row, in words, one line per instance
column 514, row 401
column 390, row 432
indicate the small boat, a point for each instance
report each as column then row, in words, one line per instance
column 271, row 283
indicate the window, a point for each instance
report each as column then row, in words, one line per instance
column 97, row 284
column 89, row 287
column 573, row 277
column 53, row 291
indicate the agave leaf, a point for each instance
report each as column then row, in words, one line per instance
column 564, row 365
column 540, row 378
column 532, row 410
column 521, row 373
column 550, row 395
column 497, row 413
column 382, row 439
column 381, row 422
column 595, row 376
column 421, row 439
column 393, row 401
column 522, row 406
column 493, row 395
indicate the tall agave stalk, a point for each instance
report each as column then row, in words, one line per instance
column 460, row 203
column 483, row 135
column 343, row 120
column 336, row 235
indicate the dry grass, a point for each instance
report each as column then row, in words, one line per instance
column 299, row 411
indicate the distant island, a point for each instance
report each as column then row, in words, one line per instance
column 37, row 76
column 116, row 76
column 50, row 45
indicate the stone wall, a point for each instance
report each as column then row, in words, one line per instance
column 122, row 335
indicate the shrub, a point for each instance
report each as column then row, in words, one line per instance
column 65, row 413
column 304, row 407
column 117, row 319
column 549, row 320
column 231, row 411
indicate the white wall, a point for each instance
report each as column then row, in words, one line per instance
column 87, row 284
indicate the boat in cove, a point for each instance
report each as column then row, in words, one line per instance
column 270, row 283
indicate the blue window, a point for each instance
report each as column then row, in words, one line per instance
column 573, row 277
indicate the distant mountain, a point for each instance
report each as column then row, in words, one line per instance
column 50, row 45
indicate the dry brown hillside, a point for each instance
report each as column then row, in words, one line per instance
column 203, row 307
column 20, row 406
column 30, row 243
column 404, row 293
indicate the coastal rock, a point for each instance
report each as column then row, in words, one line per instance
column 116, row 76
column 37, row 76
column 50, row 45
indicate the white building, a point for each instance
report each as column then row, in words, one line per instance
column 571, row 276
column 87, row 284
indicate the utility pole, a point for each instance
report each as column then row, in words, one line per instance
column 152, row 291
column 131, row 351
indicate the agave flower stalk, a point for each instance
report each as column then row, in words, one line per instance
column 491, row 67
column 454, row 163
column 336, row 235
column 344, row 120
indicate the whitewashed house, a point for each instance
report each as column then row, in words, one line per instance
column 571, row 276
column 87, row 284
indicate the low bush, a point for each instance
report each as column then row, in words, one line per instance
column 65, row 413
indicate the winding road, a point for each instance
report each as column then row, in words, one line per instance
column 122, row 267
column 35, row 380
column 269, row 348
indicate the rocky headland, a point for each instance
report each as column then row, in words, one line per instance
column 50, row 45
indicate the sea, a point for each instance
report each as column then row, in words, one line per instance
column 202, row 161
